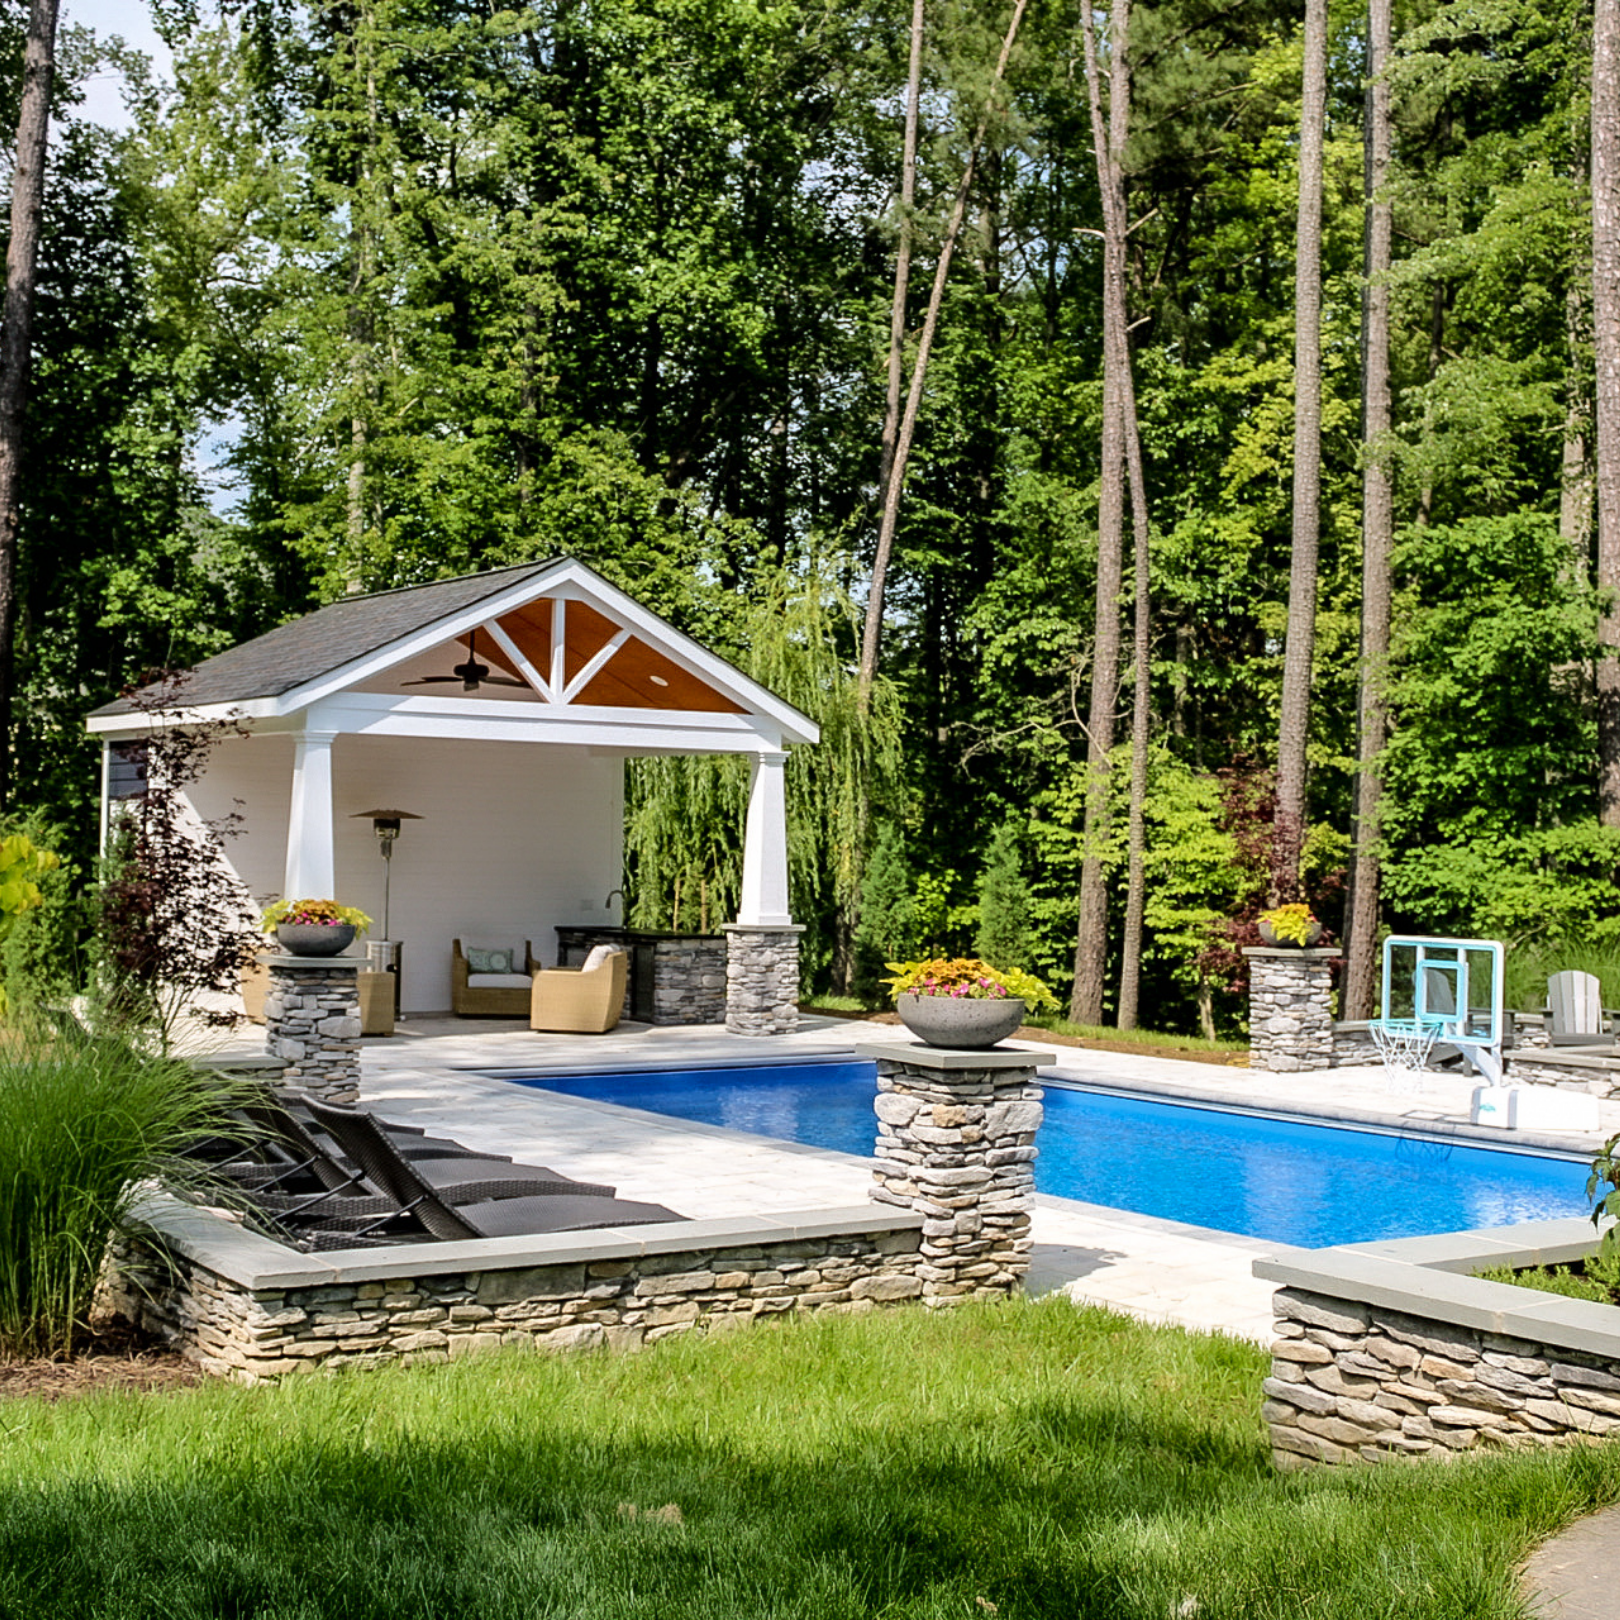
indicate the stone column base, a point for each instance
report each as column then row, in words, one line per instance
column 1290, row 1009
column 312, row 1021
column 956, row 1143
column 762, row 978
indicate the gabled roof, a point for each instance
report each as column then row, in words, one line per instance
column 623, row 657
column 300, row 651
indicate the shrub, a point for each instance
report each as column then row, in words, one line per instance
column 1006, row 930
column 86, row 1125
column 1532, row 963
column 888, row 921
column 176, row 922
column 23, row 867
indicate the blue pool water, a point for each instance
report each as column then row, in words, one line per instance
column 1286, row 1181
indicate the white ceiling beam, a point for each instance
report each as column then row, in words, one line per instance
column 628, row 731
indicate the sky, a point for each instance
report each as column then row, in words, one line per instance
column 133, row 20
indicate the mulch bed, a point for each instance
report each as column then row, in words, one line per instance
column 114, row 1357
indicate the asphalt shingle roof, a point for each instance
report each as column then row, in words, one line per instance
column 332, row 636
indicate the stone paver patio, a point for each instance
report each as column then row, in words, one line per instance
column 437, row 1073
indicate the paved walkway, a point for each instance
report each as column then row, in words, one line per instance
column 1576, row 1576
column 1154, row 1269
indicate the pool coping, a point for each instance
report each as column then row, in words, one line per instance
column 1432, row 1278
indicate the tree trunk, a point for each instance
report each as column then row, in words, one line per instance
column 1091, row 943
column 871, row 640
column 16, row 336
column 1294, row 724
column 1606, row 397
column 1130, row 976
column 1377, row 527
column 1110, row 156
column 873, row 630
column 1575, row 485
column 362, row 327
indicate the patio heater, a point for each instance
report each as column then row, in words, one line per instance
column 382, row 955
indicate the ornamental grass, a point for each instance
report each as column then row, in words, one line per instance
column 87, row 1127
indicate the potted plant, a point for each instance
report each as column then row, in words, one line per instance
column 1290, row 927
column 314, row 927
column 964, row 1003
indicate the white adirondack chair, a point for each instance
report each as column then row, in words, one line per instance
column 1575, row 1008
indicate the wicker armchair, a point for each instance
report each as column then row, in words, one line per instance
column 470, row 1000
column 584, row 1001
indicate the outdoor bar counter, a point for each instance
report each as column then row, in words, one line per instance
column 674, row 978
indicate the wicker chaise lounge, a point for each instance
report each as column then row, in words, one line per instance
column 583, row 1001
column 490, row 995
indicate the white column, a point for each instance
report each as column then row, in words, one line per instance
column 106, row 796
column 764, row 899
column 311, row 865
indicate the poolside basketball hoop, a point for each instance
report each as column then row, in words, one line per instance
column 1440, row 992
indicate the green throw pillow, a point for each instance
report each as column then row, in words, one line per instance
column 489, row 961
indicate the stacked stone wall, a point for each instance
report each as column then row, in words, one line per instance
column 1353, row 1048
column 312, row 1023
column 257, row 1336
column 1598, row 1082
column 1354, row 1382
column 1290, row 1010
column 762, row 979
column 689, row 984
column 958, row 1146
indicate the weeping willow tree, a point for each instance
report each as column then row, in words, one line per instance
column 684, row 815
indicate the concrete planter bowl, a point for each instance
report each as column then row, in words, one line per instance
column 961, row 1022
column 1270, row 938
column 314, row 939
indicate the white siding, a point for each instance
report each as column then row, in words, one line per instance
column 516, row 839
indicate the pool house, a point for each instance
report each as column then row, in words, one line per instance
column 492, row 715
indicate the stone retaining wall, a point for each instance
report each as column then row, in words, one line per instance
column 1598, row 1079
column 1398, row 1348
column 258, row 1328
column 1355, row 1381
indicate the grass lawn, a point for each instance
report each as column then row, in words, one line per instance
column 1021, row 1460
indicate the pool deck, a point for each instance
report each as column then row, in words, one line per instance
column 1158, row 1270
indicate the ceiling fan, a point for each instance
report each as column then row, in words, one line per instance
column 472, row 674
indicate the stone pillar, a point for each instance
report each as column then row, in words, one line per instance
column 762, row 979
column 956, row 1143
column 1290, row 1009
column 312, row 1019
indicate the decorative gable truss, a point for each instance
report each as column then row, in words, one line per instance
column 584, row 664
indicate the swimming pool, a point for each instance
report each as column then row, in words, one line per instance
column 1284, row 1180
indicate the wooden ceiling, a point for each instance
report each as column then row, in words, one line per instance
column 637, row 676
